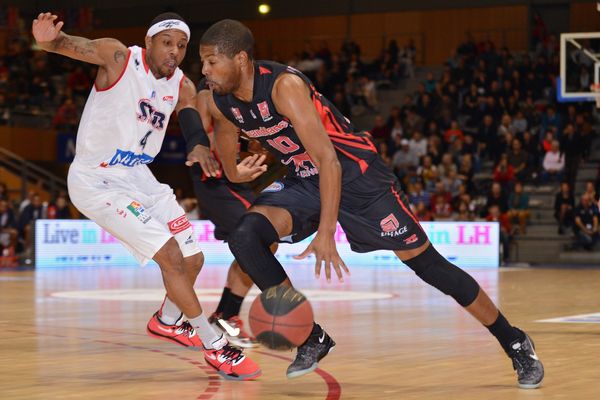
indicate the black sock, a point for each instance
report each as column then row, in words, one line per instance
column 505, row 332
column 224, row 299
column 232, row 306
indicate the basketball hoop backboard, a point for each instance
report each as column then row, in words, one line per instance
column 579, row 67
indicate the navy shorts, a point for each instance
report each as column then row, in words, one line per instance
column 222, row 202
column 374, row 212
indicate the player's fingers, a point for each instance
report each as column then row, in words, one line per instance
column 261, row 159
column 59, row 26
column 304, row 254
column 338, row 272
column 327, row 272
column 343, row 265
column 318, row 266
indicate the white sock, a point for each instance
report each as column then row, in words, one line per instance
column 169, row 312
column 210, row 339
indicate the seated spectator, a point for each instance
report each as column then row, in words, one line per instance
column 547, row 142
column 452, row 182
column 466, row 171
column 518, row 207
column 518, row 159
column 427, row 172
column 8, row 228
column 496, row 197
column 495, row 215
column 59, row 209
column 441, row 202
column 30, row 214
column 454, row 133
column 418, row 144
column 553, row 165
column 586, row 223
column 380, row 131
column 66, row 117
column 463, row 213
column 369, row 92
column 590, row 190
column 404, row 159
column 504, row 173
column 418, row 194
column 446, row 165
column 422, row 213
column 564, row 203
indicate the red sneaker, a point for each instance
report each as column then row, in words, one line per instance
column 182, row 334
column 232, row 364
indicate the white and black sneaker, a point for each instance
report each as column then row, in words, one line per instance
column 530, row 370
column 317, row 346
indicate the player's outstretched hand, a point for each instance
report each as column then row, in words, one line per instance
column 251, row 168
column 44, row 29
column 323, row 247
column 203, row 156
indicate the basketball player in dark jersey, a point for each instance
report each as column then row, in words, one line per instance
column 335, row 173
column 223, row 203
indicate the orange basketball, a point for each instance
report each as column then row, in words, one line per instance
column 281, row 318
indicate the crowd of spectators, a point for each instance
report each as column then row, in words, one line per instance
column 18, row 218
column 492, row 115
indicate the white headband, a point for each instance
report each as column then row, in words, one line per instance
column 169, row 24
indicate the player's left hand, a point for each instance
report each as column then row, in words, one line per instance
column 251, row 168
column 202, row 155
column 323, row 247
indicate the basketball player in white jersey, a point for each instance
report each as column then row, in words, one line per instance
column 121, row 130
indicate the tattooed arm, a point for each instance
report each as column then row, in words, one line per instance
column 109, row 54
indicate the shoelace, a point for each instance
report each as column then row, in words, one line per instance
column 232, row 353
column 187, row 327
column 521, row 356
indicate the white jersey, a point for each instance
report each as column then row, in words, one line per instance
column 124, row 125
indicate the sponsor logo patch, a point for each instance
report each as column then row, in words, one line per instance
column 179, row 225
column 237, row 114
column 411, row 239
column 273, row 187
column 263, row 108
column 138, row 211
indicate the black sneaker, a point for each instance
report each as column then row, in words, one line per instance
column 530, row 370
column 317, row 346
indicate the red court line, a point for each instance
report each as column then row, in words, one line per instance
column 214, row 382
column 334, row 389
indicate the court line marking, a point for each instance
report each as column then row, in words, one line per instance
column 591, row 318
column 334, row 389
column 214, row 381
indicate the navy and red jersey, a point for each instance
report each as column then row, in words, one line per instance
column 260, row 120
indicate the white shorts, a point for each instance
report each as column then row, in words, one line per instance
column 133, row 206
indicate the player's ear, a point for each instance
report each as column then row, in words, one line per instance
column 148, row 42
column 242, row 57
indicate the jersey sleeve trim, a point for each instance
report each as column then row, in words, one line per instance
column 120, row 76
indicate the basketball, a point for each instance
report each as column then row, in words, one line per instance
column 281, row 318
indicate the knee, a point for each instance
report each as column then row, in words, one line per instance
column 194, row 263
column 169, row 258
column 254, row 230
column 434, row 269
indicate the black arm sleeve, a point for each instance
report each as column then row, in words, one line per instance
column 192, row 128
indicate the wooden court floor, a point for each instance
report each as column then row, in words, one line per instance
column 79, row 333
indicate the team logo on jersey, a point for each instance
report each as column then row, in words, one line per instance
column 179, row 225
column 138, row 211
column 128, row 159
column 153, row 95
column 168, row 99
column 263, row 108
column 411, row 239
column 273, row 187
column 237, row 114
column 391, row 227
column 303, row 164
column 150, row 114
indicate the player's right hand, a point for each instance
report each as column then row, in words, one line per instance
column 203, row 156
column 251, row 168
column 43, row 27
